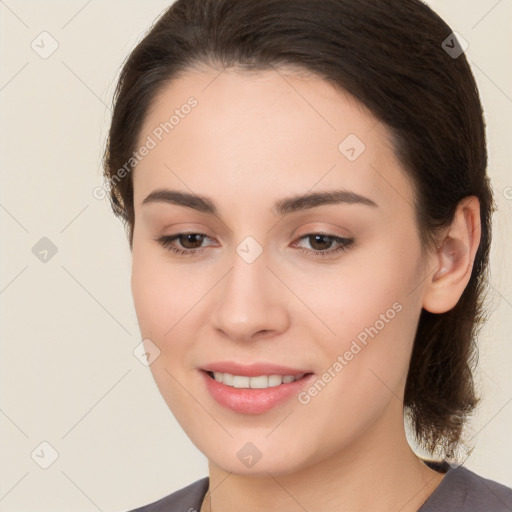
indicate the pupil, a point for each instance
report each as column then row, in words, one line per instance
column 316, row 237
column 190, row 239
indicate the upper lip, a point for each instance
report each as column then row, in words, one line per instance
column 253, row 369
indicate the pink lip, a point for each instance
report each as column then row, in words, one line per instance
column 254, row 401
column 252, row 370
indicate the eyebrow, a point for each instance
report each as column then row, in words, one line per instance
column 282, row 207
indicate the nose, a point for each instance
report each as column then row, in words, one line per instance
column 251, row 301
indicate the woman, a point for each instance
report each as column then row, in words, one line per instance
column 305, row 194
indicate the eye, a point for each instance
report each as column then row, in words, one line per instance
column 191, row 243
column 320, row 241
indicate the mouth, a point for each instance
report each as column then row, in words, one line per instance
column 256, row 393
column 255, row 382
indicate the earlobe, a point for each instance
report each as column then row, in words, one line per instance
column 454, row 259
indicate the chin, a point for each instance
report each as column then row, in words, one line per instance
column 260, row 469
column 254, row 459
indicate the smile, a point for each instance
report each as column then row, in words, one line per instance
column 257, row 382
column 255, row 394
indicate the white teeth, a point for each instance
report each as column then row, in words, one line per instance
column 226, row 378
column 259, row 382
column 239, row 381
column 276, row 380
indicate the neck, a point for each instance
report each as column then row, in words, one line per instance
column 378, row 472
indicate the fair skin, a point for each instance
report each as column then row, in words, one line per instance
column 252, row 140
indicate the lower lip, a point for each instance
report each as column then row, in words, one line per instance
column 253, row 401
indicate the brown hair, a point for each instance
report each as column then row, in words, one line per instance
column 389, row 55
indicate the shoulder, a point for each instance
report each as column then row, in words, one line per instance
column 462, row 490
column 187, row 499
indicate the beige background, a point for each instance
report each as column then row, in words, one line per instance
column 68, row 374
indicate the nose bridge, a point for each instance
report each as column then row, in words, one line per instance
column 249, row 301
column 249, row 268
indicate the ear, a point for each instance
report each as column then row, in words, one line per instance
column 454, row 259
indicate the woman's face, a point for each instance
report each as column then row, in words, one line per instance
column 258, row 294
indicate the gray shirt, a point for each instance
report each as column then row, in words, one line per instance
column 461, row 490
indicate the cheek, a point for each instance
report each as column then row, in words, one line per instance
column 160, row 306
column 374, row 316
column 155, row 287
column 168, row 300
column 361, row 299
column 154, row 292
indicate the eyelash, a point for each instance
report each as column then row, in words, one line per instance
column 166, row 242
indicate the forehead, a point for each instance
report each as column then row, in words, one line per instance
column 256, row 135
